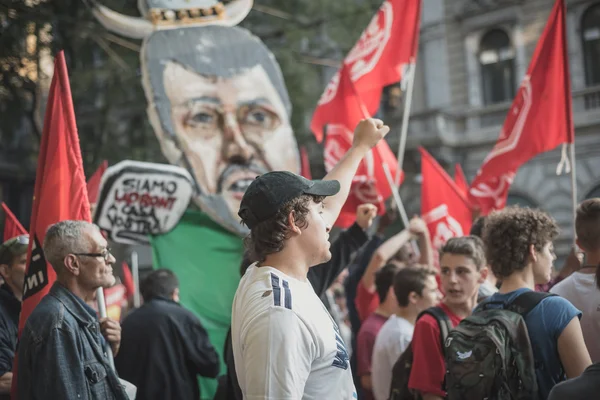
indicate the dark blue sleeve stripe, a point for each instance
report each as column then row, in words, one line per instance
column 276, row 289
column 287, row 295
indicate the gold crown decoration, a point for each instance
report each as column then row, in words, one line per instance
column 162, row 17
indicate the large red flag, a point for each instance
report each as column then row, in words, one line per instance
column 60, row 189
column 93, row 184
column 443, row 207
column 382, row 55
column 461, row 180
column 540, row 117
column 12, row 226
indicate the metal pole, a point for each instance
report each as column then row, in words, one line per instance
column 405, row 116
column 135, row 272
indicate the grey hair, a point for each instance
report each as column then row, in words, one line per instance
column 63, row 238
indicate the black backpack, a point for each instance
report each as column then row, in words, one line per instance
column 401, row 372
column 489, row 355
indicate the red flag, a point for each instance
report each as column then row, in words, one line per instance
column 540, row 117
column 128, row 280
column 461, row 180
column 443, row 207
column 380, row 57
column 304, row 163
column 93, row 184
column 60, row 190
column 12, row 226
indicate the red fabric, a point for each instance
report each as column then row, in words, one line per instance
column 365, row 343
column 428, row 369
column 443, row 207
column 540, row 117
column 380, row 58
column 461, row 180
column 12, row 226
column 304, row 163
column 60, row 190
column 128, row 280
column 366, row 302
column 93, row 185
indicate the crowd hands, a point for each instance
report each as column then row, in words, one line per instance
column 394, row 302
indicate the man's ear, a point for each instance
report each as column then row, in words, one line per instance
column 4, row 271
column 532, row 253
column 72, row 264
column 413, row 297
column 292, row 223
column 578, row 243
column 483, row 273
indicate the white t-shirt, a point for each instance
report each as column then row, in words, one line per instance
column 393, row 338
column 285, row 343
column 580, row 289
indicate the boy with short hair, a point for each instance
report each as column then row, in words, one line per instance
column 518, row 246
column 463, row 269
column 416, row 290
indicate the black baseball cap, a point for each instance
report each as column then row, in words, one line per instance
column 12, row 248
column 269, row 192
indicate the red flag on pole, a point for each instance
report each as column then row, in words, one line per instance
column 461, row 180
column 386, row 48
column 60, row 189
column 128, row 280
column 443, row 207
column 540, row 117
column 12, row 226
column 93, row 184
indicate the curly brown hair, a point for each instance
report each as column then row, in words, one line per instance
column 508, row 234
column 268, row 237
column 587, row 224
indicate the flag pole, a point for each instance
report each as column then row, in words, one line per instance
column 396, row 196
column 135, row 272
column 103, row 314
column 405, row 117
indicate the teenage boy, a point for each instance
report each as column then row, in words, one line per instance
column 388, row 305
column 416, row 290
column 463, row 269
column 582, row 288
column 518, row 247
column 285, row 343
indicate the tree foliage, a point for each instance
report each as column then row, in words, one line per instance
column 308, row 38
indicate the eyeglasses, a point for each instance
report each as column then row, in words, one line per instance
column 104, row 254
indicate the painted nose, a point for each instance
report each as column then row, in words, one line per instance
column 234, row 143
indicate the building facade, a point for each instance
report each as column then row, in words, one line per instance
column 472, row 57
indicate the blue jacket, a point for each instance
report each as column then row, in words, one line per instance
column 60, row 352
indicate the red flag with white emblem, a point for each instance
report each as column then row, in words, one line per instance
column 382, row 56
column 444, row 208
column 540, row 117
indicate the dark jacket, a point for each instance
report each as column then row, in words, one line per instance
column 320, row 277
column 163, row 349
column 10, row 308
column 61, row 354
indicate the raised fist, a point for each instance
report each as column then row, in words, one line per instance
column 369, row 132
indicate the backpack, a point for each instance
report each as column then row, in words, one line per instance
column 401, row 372
column 489, row 354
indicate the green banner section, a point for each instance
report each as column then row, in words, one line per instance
column 206, row 258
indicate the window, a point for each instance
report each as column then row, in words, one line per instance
column 497, row 63
column 519, row 200
column 590, row 35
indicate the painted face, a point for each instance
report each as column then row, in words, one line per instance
column 230, row 130
column 430, row 296
column 460, row 278
column 315, row 237
column 96, row 272
column 542, row 265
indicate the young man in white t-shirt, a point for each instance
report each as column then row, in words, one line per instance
column 416, row 290
column 285, row 343
column 582, row 288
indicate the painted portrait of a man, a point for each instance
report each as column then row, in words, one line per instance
column 219, row 107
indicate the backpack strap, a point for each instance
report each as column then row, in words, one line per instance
column 443, row 322
column 525, row 302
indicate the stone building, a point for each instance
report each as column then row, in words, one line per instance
column 472, row 57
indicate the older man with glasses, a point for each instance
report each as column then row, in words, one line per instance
column 13, row 257
column 62, row 347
